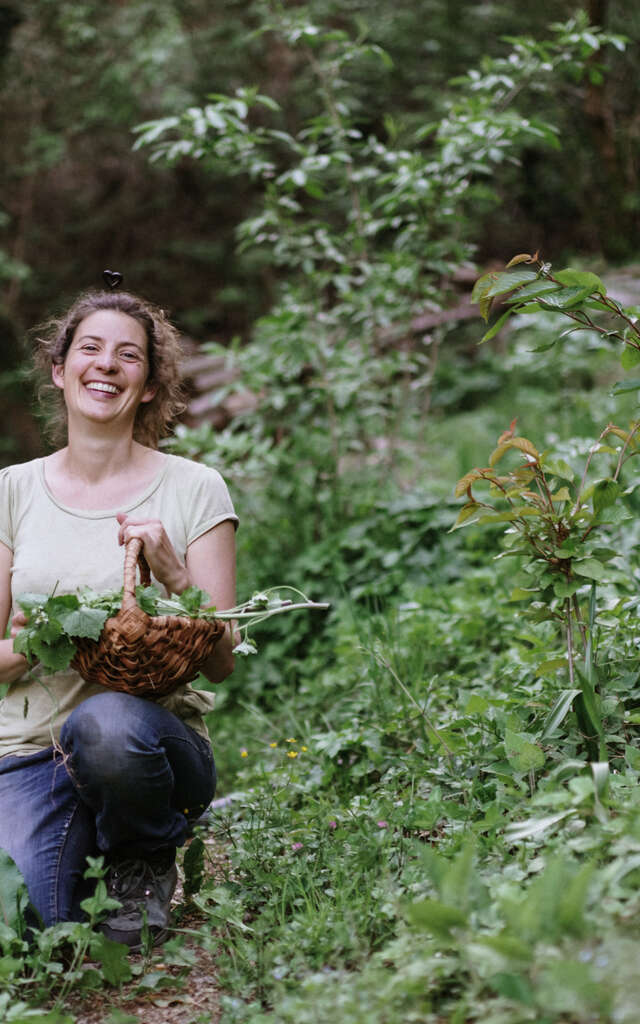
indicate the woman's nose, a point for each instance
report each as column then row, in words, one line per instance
column 106, row 360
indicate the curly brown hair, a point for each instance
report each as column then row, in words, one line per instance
column 153, row 419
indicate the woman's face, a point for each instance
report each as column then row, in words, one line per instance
column 106, row 369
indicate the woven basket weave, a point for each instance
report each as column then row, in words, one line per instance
column 145, row 655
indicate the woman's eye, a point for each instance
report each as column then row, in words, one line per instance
column 130, row 355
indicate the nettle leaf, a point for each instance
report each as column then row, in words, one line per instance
column 84, row 622
column 522, row 754
column 28, row 602
column 56, row 656
column 48, row 631
column 193, row 599
column 622, row 387
column 61, row 603
column 147, row 598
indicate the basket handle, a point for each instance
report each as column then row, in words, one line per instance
column 133, row 557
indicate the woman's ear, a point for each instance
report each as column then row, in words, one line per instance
column 149, row 393
column 57, row 374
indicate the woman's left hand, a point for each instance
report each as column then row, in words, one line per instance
column 158, row 551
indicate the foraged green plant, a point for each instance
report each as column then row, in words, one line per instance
column 55, row 621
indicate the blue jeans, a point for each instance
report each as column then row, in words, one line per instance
column 129, row 780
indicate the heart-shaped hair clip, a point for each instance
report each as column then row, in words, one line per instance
column 112, row 278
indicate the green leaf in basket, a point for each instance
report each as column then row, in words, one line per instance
column 192, row 599
column 30, row 601
column 84, row 622
column 54, row 656
column 147, row 598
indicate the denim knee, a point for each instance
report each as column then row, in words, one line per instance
column 103, row 737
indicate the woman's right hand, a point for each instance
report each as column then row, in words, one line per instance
column 18, row 622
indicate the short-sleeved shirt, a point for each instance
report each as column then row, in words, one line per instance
column 60, row 549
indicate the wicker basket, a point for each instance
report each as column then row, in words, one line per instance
column 147, row 656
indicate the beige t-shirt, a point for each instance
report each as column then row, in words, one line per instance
column 62, row 549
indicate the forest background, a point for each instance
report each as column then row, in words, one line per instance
column 433, row 810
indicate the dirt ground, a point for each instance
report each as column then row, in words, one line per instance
column 194, row 1000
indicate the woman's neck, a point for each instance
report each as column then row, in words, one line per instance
column 92, row 473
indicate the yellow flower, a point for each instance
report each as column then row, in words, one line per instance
column 273, row 744
column 243, row 753
column 291, row 739
column 292, row 753
column 303, row 748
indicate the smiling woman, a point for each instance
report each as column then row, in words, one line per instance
column 84, row 770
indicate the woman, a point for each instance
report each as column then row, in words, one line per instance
column 85, row 770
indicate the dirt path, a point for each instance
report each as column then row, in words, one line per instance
column 164, row 993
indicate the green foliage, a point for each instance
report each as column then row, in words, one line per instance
column 53, row 623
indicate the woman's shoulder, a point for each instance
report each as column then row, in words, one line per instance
column 21, row 473
column 181, row 468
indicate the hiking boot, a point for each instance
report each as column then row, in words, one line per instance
column 144, row 888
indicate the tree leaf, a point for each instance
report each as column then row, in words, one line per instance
column 566, row 298
column 533, row 290
column 605, row 493
column 521, row 443
column 630, row 357
column 581, row 279
column 591, row 568
column 495, row 327
column 508, row 280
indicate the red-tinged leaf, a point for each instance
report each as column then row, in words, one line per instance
column 522, row 257
column 521, row 443
column 507, row 434
column 465, row 516
column 467, row 480
column 624, row 435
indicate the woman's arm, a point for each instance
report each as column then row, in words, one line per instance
column 210, row 564
column 12, row 665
